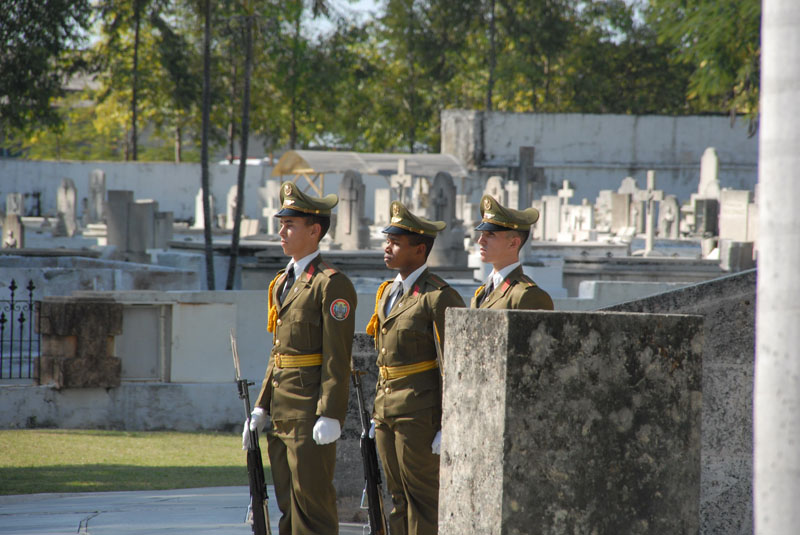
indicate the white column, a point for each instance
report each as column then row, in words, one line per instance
column 777, row 382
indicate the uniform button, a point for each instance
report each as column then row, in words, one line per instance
column 277, row 342
column 384, row 331
column 383, row 350
column 275, row 383
column 280, row 321
column 388, row 389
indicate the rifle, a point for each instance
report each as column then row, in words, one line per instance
column 255, row 466
column 372, row 474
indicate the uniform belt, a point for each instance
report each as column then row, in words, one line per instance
column 396, row 372
column 297, row 361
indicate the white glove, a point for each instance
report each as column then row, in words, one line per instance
column 371, row 432
column 436, row 445
column 258, row 421
column 326, row 430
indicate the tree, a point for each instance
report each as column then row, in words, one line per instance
column 248, row 66
column 205, row 182
column 38, row 51
column 721, row 43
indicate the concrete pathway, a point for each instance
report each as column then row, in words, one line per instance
column 217, row 510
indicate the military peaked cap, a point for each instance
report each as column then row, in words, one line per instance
column 296, row 203
column 495, row 216
column 404, row 222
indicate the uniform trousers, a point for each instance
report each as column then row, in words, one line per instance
column 412, row 470
column 302, row 472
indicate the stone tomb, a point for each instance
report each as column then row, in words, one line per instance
column 570, row 423
column 66, row 199
column 352, row 231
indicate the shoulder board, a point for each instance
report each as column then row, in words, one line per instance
column 527, row 281
column 436, row 281
column 327, row 268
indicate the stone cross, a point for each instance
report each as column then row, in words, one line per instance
column 97, row 195
column 650, row 196
column 564, row 195
column 66, row 199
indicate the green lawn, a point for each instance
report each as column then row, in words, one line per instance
column 59, row 460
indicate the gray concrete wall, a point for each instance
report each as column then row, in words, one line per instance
column 566, row 423
column 596, row 152
column 728, row 306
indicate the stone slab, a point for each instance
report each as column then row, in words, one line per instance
column 571, row 423
column 728, row 305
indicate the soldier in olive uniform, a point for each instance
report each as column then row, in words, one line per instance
column 305, row 389
column 503, row 233
column 408, row 320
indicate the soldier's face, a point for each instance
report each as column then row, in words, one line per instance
column 497, row 245
column 400, row 254
column 297, row 236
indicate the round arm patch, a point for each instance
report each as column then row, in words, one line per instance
column 340, row 309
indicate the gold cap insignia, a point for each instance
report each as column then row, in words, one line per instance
column 287, row 189
column 487, row 204
column 395, row 210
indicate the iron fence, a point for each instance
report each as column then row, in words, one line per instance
column 19, row 344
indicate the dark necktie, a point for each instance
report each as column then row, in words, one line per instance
column 397, row 298
column 487, row 291
column 287, row 285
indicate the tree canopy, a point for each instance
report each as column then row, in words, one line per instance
column 324, row 78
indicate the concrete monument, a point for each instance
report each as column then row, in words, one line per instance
column 97, row 195
column 352, row 231
column 66, row 204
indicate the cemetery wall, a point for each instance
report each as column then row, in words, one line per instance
column 728, row 305
column 595, row 152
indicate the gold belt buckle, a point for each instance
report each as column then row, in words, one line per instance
column 384, row 373
column 278, row 360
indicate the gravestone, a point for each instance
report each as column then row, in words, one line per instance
column 448, row 249
column 97, row 195
column 550, row 217
column 708, row 187
column 734, row 214
column 581, row 222
column 141, row 229
column 66, row 206
column 496, row 187
column 628, row 185
column 270, row 200
column 401, row 183
column 198, row 210
column 116, row 211
column 668, row 217
column 620, row 211
column 706, row 217
column 383, row 203
column 13, row 232
column 419, row 196
column 735, row 255
column 565, row 423
column 15, row 204
column 352, row 231
column 538, row 227
column 564, row 195
column 602, row 211
column 163, row 226
column 230, row 207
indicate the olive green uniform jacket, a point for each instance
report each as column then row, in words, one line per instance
column 405, row 336
column 317, row 317
column 518, row 291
